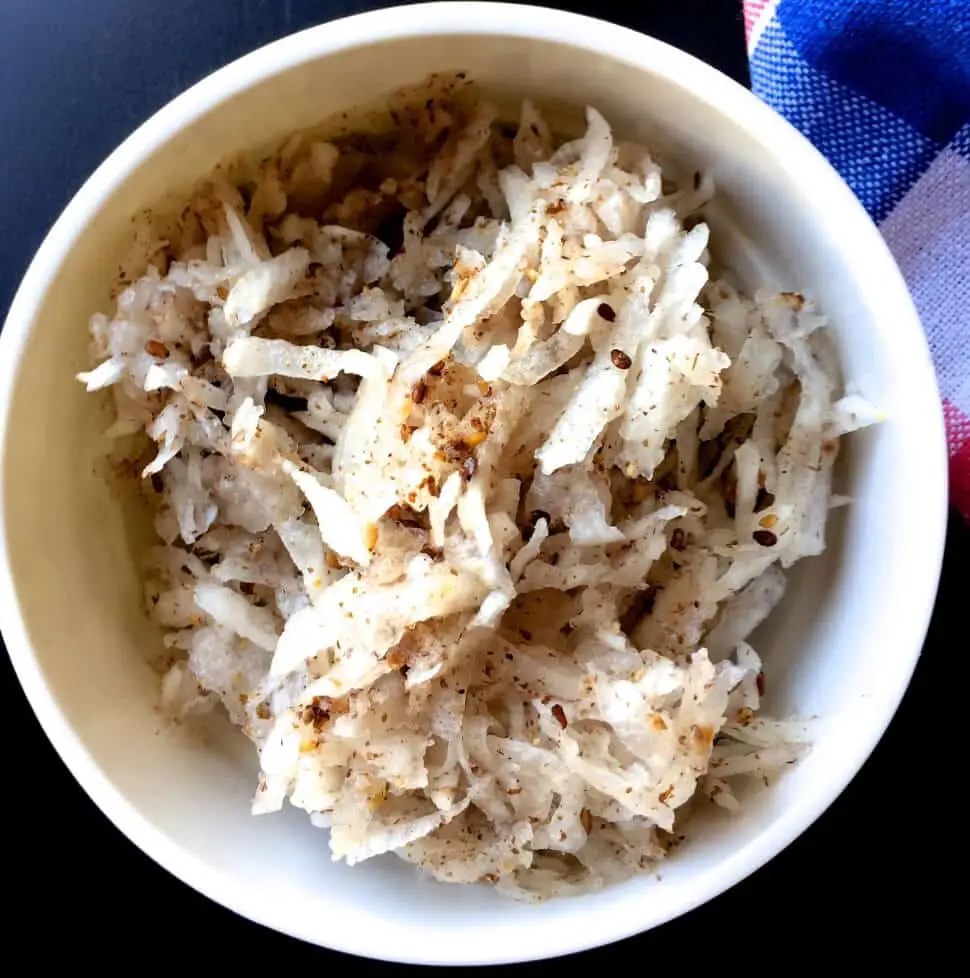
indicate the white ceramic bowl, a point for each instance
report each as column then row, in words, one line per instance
column 843, row 646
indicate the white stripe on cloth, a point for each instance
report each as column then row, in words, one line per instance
column 757, row 13
column 928, row 234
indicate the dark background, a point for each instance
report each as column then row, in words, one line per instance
column 76, row 76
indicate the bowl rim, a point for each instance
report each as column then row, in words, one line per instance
column 483, row 19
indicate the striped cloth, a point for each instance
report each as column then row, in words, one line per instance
column 882, row 88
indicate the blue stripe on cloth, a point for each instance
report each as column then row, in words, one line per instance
column 878, row 154
column 910, row 56
column 961, row 142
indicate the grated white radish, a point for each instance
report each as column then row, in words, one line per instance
column 470, row 536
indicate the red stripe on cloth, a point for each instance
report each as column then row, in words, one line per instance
column 957, row 427
column 752, row 11
column 958, row 443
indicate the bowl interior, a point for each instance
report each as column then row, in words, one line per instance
column 841, row 647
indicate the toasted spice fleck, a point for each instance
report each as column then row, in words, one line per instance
column 620, row 360
column 222, row 292
column 560, row 714
column 760, row 683
column 703, row 735
column 606, row 311
column 665, row 795
column 678, row 539
column 586, row 820
column 419, row 391
column 765, row 538
column 156, row 348
column 658, row 722
column 262, row 711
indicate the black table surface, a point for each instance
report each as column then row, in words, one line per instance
column 76, row 76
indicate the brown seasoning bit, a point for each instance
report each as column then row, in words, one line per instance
column 620, row 360
column 539, row 514
column 606, row 311
column 560, row 714
column 156, row 348
column 764, row 538
column 317, row 713
column 745, row 716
